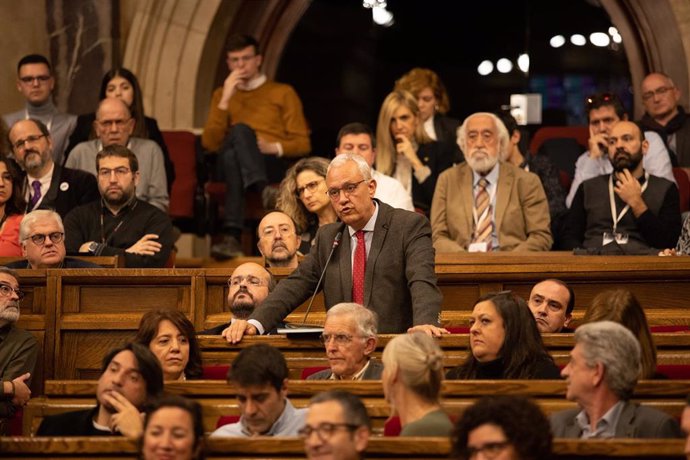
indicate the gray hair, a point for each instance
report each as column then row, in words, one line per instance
column 34, row 216
column 617, row 349
column 503, row 136
column 343, row 158
column 365, row 319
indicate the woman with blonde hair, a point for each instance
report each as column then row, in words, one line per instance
column 433, row 102
column 621, row 306
column 303, row 197
column 412, row 377
column 406, row 152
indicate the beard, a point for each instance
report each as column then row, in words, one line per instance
column 282, row 258
column 242, row 308
column 483, row 163
column 10, row 313
column 33, row 161
column 118, row 199
column 624, row 160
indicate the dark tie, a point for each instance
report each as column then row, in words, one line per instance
column 482, row 207
column 36, row 185
column 359, row 268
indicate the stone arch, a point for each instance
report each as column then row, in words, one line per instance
column 176, row 47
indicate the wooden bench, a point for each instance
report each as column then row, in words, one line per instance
column 104, row 261
column 293, row 448
column 218, row 398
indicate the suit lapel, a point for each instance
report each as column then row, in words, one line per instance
column 506, row 177
column 345, row 264
column 467, row 199
column 625, row 427
column 380, row 232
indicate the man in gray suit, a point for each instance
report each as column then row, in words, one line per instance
column 398, row 282
column 349, row 336
column 601, row 376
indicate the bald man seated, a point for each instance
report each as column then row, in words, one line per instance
column 278, row 240
column 628, row 211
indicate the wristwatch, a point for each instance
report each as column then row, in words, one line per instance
column 93, row 247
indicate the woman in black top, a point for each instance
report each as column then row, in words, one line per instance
column 505, row 342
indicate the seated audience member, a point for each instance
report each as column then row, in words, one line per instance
column 114, row 126
column 552, row 303
column 12, row 206
column 541, row 166
column 666, row 116
column 433, row 102
column 349, row 335
column 485, row 204
column 42, row 238
column 18, row 351
column 392, row 247
column 171, row 337
column 173, row 429
column 621, row 306
column 601, row 376
column 252, row 123
column 36, row 83
column 604, row 111
column 412, row 377
column 628, row 211
column 119, row 223
column 505, row 427
column 683, row 246
column 130, row 376
column 278, row 240
column 685, row 426
column 406, row 152
column 121, row 83
column 248, row 287
column 260, row 374
column 359, row 138
column 47, row 184
column 303, row 197
column 505, row 342
column 337, row 427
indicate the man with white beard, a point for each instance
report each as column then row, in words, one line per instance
column 18, row 350
column 485, row 204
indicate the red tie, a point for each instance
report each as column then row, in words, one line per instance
column 359, row 268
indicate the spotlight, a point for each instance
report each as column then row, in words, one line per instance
column 599, row 39
column 578, row 40
column 523, row 62
column 504, row 65
column 382, row 16
column 485, row 68
column 557, row 41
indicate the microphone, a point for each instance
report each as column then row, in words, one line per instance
column 336, row 243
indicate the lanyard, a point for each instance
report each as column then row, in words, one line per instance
column 612, row 201
column 105, row 240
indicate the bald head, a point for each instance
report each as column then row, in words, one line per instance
column 278, row 240
column 250, row 284
column 627, row 146
column 660, row 97
column 114, row 123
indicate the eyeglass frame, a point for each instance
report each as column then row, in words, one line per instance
column 119, row 124
column 42, row 237
column 30, row 79
column 311, row 187
column 120, row 172
column 660, row 91
column 21, row 144
column 325, row 431
column 20, row 294
column 348, row 189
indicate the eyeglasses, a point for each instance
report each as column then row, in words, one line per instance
column 39, row 238
column 310, row 187
column 348, row 189
column 339, row 339
column 6, row 291
column 38, row 78
column 251, row 280
column 20, row 144
column 490, row 450
column 271, row 232
column 325, row 430
column 597, row 100
column 117, row 123
column 657, row 92
column 119, row 172
column 238, row 59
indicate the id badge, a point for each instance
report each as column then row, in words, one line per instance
column 478, row 247
column 621, row 238
column 607, row 239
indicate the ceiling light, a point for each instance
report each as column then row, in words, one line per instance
column 382, row 16
column 523, row 62
column 578, row 40
column 504, row 65
column 599, row 39
column 557, row 41
column 485, row 68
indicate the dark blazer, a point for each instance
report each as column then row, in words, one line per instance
column 438, row 156
column 69, row 188
column 446, row 129
column 635, row 422
column 67, row 262
column 76, row 423
column 373, row 372
column 399, row 284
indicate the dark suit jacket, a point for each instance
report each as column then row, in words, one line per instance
column 446, row 129
column 635, row 422
column 399, row 284
column 67, row 262
column 77, row 423
column 69, row 188
column 438, row 156
column 373, row 372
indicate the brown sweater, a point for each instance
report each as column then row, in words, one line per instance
column 273, row 111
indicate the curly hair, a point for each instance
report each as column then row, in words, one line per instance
column 522, row 339
column 621, row 306
column 288, row 201
column 522, row 422
column 419, row 78
column 386, row 154
column 148, row 328
column 137, row 107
